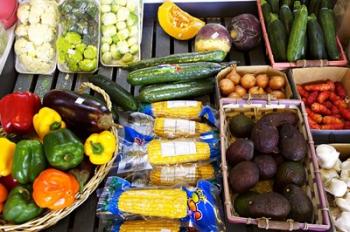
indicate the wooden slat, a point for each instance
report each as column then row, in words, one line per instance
column 85, row 215
column 180, row 46
column 43, row 85
column 23, row 82
column 64, row 81
column 122, row 79
column 80, row 78
column 106, row 71
column 257, row 55
column 162, row 42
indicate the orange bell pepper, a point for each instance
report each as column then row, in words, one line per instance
column 177, row 23
column 3, row 196
column 55, row 189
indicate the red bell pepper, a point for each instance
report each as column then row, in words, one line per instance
column 17, row 111
column 9, row 182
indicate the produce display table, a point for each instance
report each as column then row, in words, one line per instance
column 155, row 43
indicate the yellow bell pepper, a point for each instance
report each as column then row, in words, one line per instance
column 7, row 150
column 47, row 120
column 178, row 23
column 100, row 147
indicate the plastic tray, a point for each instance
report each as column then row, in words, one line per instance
column 314, row 186
column 10, row 39
column 300, row 63
column 140, row 13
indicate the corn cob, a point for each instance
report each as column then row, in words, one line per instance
column 155, row 225
column 161, row 152
column 177, row 109
column 165, row 203
column 175, row 128
column 184, row 174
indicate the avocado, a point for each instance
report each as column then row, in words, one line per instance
column 243, row 176
column 242, row 201
column 240, row 150
column 265, row 138
column 267, row 166
column 241, row 126
column 301, row 205
column 289, row 173
column 292, row 143
column 271, row 205
column 279, row 118
column 278, row 158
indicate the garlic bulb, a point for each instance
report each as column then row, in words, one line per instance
column 327, row 156
column 328, row 174
column 345, row 165
column 343, row 222
column 345, row 176
column 344, row 203
column 336, row 187
column 337, row 165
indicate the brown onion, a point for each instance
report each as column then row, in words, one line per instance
column 262, row 80
column 277, row 82
column 226, row 86
column 248, row 81
column 278, row 94
column 240, row 90
column 234, row 76
column 234, row 95
column 256, row 90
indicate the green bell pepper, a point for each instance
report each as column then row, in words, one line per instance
column 28, row 161
column 63, row 149
column 20, row 207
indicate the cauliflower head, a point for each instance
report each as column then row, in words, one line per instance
column 34, row 64
column 21, row 30
column 45, row 52
column 40, row 33
column 23, row 46
column 23, row 12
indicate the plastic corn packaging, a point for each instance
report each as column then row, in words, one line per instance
column 195, row 206
column 154, row 225
column 139, row 156
column 192, row 110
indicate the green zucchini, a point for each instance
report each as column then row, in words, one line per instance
column 296, row 7
column 275, row 5
column 191, row 57
column 326, row 4
column 278, row 38
column 290, row 3
column 118, row 94
column 326, row 18
column 266, row 9
column 286, row 17
column 173, row 73
column 154, row 93
column 297, row 35
column 100, row 99
column 314, row 6
column 316, row 39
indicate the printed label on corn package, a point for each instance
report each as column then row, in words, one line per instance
column 174, row 126
column 172, row 174
column 134, row 163
column 177, row 148
column 177, row 104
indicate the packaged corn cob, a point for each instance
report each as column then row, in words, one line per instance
column 135, row 155
column 195, row 206
column 145, row 127
column 191, row 110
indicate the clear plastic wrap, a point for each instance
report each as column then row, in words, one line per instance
column 153, row 225
column 194, row 206
column 3, row 39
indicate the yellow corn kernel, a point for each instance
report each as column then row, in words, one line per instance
column 161, row 152
column 165, row 203
column 154, row 225
column 177, row 109
column 181, row 174
column 175, row 128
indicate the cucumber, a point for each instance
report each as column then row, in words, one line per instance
column 326, row 4
column 173, row 73
column 296, row 7
column 314, row 6
column 154, row 93
column 290, row 3
column 278, row 38
column 100, row 99
column 326, row 18
column 316, row 39
column 297, row 35
column 286, row 17
column 275, row 5
column 191, row 57
column 266, row 9
column 118, row 94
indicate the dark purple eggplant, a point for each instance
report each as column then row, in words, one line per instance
column 78, row 111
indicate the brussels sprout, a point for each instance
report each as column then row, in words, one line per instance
column 115, row 39
column 127, row 58
column 106, row 2
column 116, row 55
column 107, row 58
column 73, row 38
column 88, row 65
column 109, row 30
column 106, row 8
column 132, row 41
column 109, row 18
column 121, row 2
column 106, row 39
column 115, row 8
column 123, row 34
column 90, row 52
column 123, row 14
column 121, row 25
column 132, row 19
column 123, row 47
column 134, row 49
column 133, row 30
column 131, row 5
column 105, row 47
column 80, row 47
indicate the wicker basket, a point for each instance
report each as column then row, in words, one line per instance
column 255, row 109
column 50, row 218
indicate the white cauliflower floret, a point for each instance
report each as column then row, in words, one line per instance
column 21, row 30
column 45, row 52
column 23, row 46
column 33, row 64
column 23, row 12
column 40, row 33
column 34, row 15
column 49, row 18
